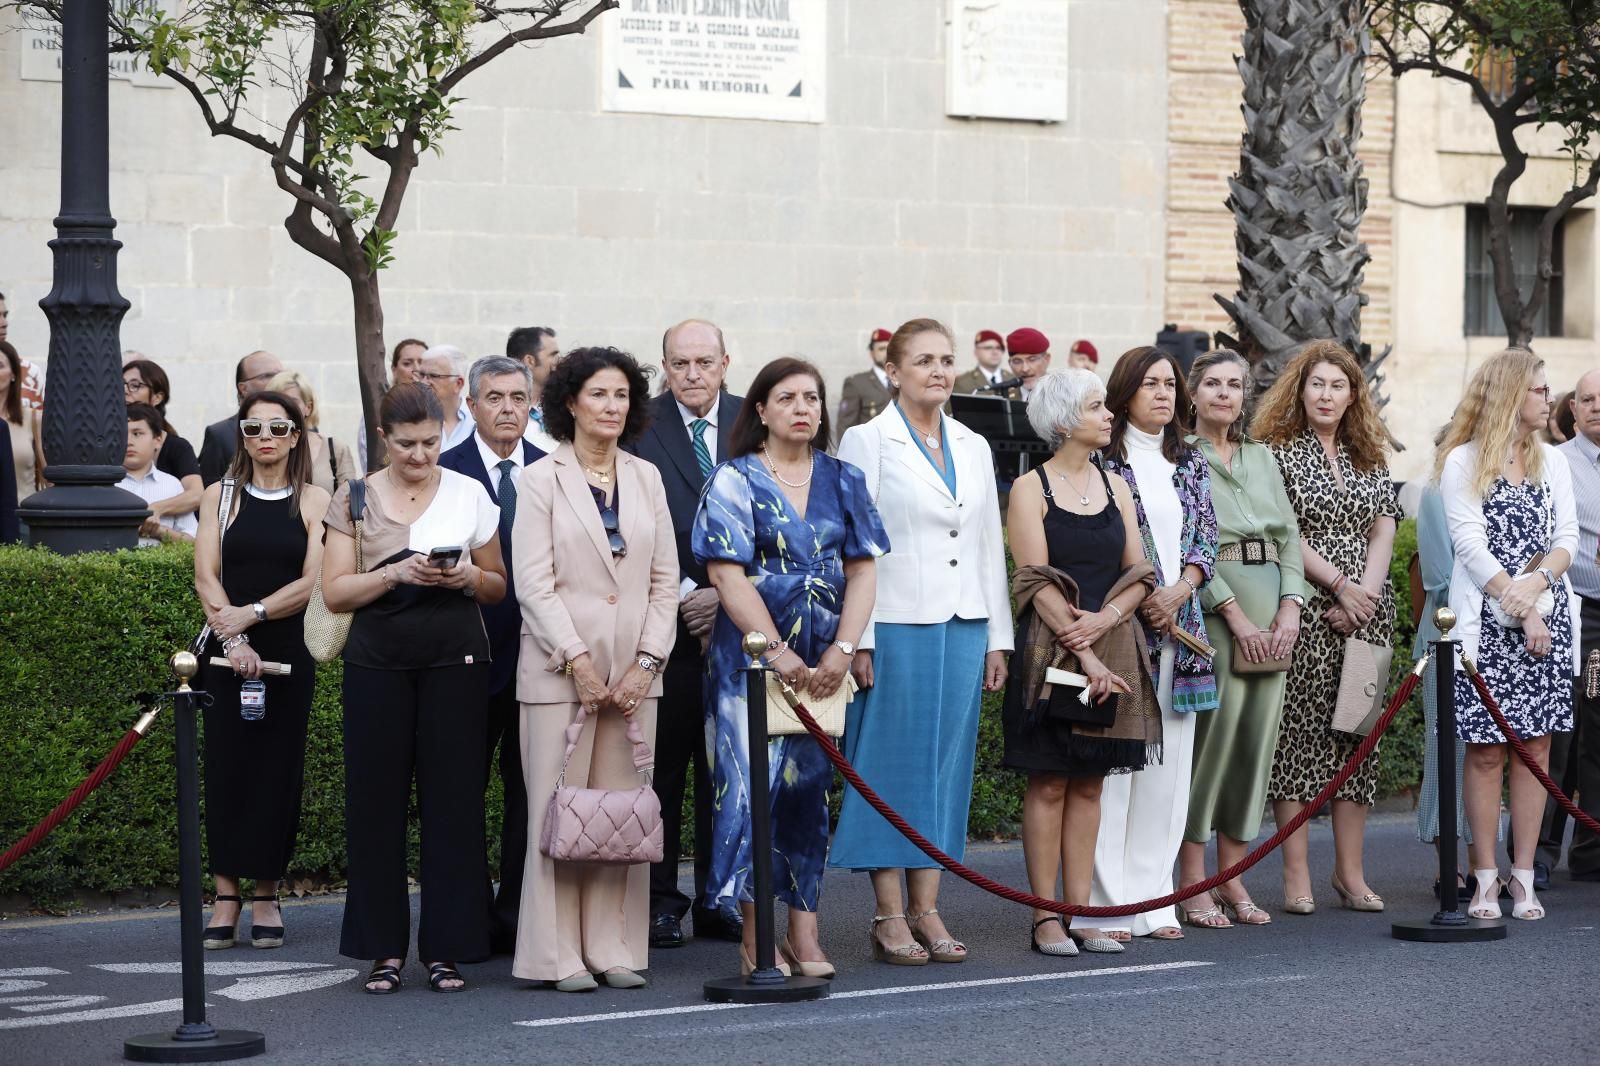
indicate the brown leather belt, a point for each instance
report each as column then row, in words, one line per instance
column 1251, row 552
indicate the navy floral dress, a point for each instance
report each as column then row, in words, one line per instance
column 1534, row 693
column 797, row 565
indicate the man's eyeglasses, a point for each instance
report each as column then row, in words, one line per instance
column 264, row 376
column 608, row 519
column 1029, row 361
column 431, row 378
column 275, row 427
column 132, row 385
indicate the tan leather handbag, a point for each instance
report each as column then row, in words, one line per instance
column 325, row 630
column 1362, row 683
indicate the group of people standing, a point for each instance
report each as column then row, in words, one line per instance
column 1170, row 644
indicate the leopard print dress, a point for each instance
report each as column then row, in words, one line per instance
column 1334, row 521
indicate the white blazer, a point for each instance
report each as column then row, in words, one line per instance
column 1475, row 565
column 947, row 557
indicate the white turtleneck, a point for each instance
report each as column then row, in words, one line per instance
column 1162, row 508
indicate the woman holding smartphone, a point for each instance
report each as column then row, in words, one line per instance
column 415, row 694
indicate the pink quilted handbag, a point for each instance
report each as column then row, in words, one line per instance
column 615, row 827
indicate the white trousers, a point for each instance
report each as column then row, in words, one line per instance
column 1142, row 818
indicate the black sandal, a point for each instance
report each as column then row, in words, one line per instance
column 223, row 936
column 266, row 936
column 387, row 976
column 440, row 972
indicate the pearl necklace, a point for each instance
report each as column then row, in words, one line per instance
column 773, row 467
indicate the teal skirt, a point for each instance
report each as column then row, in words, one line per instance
column 913, row 736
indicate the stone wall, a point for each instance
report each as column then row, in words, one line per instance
column 545, row 210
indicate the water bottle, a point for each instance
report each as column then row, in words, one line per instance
column 253, row 700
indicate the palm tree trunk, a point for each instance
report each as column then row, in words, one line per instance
column 1299, row 195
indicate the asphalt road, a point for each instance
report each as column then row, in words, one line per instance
column 1330, row 988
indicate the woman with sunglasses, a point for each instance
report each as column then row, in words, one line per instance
column 790, row 539
column 597, row 576
column 253, row 571
column 416, row 695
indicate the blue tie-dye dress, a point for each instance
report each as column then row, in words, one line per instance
column 797, row 565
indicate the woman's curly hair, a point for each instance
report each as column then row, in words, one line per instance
column 573, row 372
column 1281, row 415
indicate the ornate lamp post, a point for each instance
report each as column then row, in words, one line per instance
column 85, row 423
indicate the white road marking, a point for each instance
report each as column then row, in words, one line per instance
column 700, row 1008
column 285, row 984
column 31, row 971
column 132, row 1010
column 20, row 986
column 35, row 1004
column 906, row 1012
column 213, row 969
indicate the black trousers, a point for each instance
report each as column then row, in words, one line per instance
column 431, row 724
column 504, row 714
column 1575, row 766
column 680, row 744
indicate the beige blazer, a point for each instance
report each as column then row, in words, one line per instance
column 575, row 596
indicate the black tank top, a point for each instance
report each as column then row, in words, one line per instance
column 1086, row 546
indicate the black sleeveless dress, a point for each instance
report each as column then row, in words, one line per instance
column 253, row 770
column 1089, row 548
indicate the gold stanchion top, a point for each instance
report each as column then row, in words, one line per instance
column 185, row 665
column 755, row 644
column 1445, row 619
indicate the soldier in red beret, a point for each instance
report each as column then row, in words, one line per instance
column 865, row 394
column 989, row 348
column 1083, row 356
column 1030, row 359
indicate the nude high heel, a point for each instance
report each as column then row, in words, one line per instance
column 1486, row 899
column 1528, row 908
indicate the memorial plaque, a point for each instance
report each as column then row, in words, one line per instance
column 1007, row 59
column 716, row 58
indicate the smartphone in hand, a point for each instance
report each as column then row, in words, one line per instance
column 445, row 558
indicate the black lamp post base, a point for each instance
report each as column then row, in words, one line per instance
column 1467, row 931
column 84, row 514
column 748, row 990
column 167, row 1047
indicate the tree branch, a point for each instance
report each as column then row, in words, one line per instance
column 1545, row 267
column 539, row 31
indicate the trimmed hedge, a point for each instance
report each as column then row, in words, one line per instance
column 82, row 637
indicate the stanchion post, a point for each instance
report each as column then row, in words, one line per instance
column 1448, row 925
column 766, row 984
column 195, row 1040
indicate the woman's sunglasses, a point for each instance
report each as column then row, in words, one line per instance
column 275, row 427
column 608, row 519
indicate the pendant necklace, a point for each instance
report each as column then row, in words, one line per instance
column 773, row 467
column 412, row 496
column 931, row 439
column 602, row 476
column 1083, row 494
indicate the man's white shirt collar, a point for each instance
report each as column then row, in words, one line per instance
column 491, row 461
column 882, row 376
column 689, row 416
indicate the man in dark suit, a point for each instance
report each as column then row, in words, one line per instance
column 250, row 374
column 499, row 392
column 865, row 395
column 687, row 436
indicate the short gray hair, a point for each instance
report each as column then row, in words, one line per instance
column 1056, row 407
column 456, row 356
column 493, row 366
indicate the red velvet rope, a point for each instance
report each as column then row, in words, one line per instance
column 1363, row 750
column 1527, row 756
column 70, row 804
